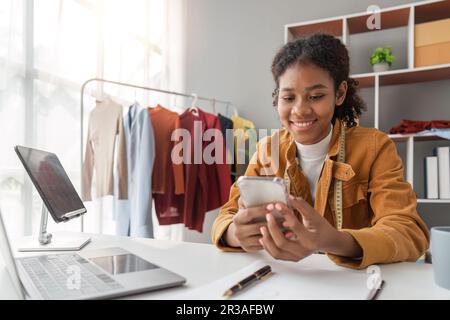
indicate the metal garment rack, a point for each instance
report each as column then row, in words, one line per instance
column 83, row 87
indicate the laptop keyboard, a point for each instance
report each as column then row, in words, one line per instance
column 67, row 276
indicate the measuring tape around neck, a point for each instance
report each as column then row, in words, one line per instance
column 338, row 183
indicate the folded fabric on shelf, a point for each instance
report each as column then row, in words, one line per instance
column 412, row 126
column 442, row 133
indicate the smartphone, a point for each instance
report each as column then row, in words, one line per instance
column 257, row 191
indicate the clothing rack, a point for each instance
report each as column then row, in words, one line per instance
column 83, row 87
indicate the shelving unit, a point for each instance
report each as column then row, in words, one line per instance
column 406, row 16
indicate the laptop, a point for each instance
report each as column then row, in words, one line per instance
column 90, row 274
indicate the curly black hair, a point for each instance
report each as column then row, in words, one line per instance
column 328, row 53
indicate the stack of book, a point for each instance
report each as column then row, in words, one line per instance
column 437, row 174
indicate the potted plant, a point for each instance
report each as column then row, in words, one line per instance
column 381, row 59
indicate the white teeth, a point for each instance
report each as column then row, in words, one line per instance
column 303, row 124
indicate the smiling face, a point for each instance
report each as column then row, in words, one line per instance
column 306, row 102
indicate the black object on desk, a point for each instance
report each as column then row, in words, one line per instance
column 253, row 278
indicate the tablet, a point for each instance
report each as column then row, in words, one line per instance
column 51, row 181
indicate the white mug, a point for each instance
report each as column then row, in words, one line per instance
column 440, row 254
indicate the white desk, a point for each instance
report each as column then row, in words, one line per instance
column 203, row 263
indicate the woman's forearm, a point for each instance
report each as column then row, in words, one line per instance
column 344, row 245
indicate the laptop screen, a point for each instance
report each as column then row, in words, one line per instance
column 52, row 183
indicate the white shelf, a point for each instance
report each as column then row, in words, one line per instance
column 416, row 137
column 433, row 200
column 404, row 76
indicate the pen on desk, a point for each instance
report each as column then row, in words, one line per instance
column 257, row 275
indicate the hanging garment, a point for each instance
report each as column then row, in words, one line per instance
column 227, row 131
column 190, row 207
column 134, row 216
column 225, row 124
column 194, row 202
column 243, row 131
column 105, row 123
column 168, row 177
column 218, row 173
column 206, row 184
column 164, row 123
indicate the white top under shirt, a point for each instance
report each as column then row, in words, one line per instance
column 312, row 157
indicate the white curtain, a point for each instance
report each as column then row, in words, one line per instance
column 48, row 48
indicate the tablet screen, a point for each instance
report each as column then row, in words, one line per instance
column 52, row 183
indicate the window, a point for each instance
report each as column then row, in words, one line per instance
column 48, row 48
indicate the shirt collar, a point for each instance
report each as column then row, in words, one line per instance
column 316, row 150
column 333, row 147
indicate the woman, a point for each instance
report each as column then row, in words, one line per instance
column 324, row 153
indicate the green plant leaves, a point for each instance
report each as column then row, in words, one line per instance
column 380, row 55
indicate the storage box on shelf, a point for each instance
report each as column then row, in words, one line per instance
column 420, row 19
column 437, row 174
column 432, row 43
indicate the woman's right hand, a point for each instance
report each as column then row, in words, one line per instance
column 244, row 231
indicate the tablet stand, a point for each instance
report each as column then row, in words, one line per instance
column 63, row 242
column 44, row 236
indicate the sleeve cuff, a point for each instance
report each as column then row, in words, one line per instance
column 218, row 237
column 377, row 247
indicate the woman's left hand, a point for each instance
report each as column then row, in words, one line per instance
column 302, row 239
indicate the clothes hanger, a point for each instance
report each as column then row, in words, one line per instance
column 213, row 101
column 174, row 101
column 228, row 113
column 101, row 98
column 152, row 101
column 235, row 111
column 98, row 94
column 135, row 103
column 135, row 98
column 193, row 107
